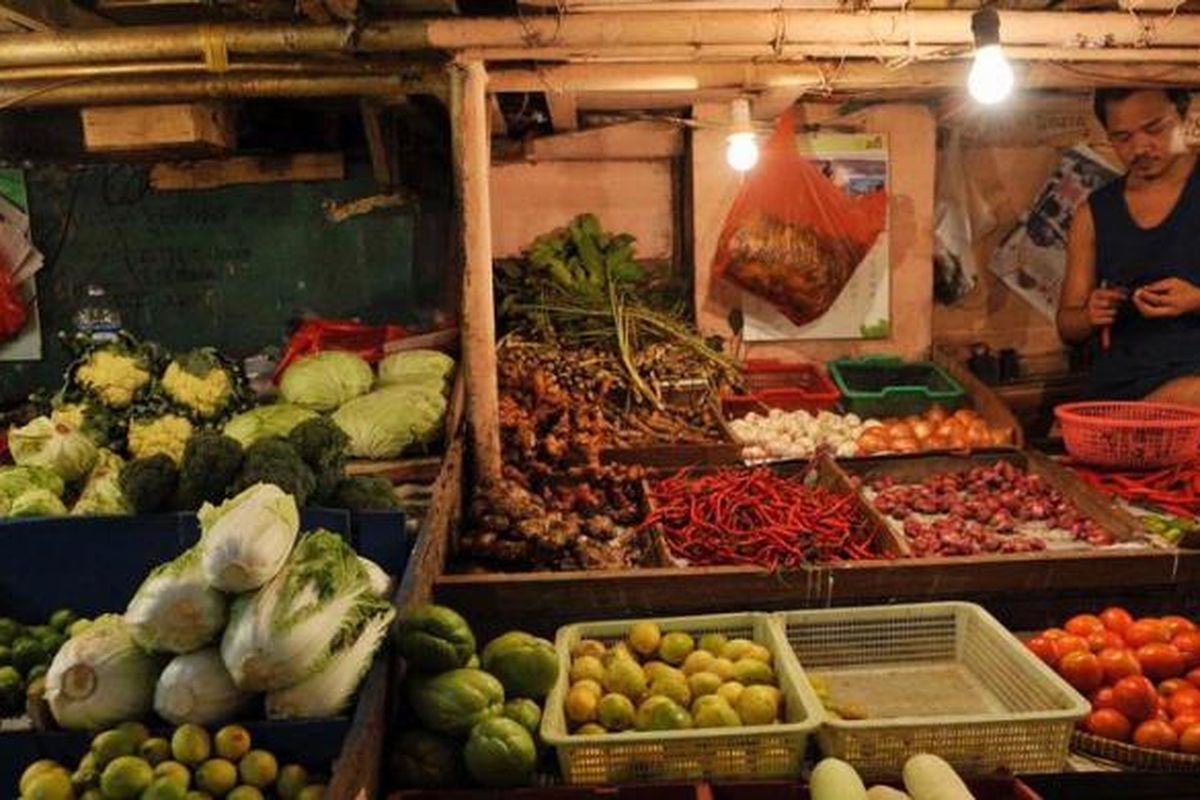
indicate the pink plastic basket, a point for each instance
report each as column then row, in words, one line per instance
column 1130, row 435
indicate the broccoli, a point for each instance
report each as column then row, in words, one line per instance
column 322, row 445
column 365, row 493
column 273, row 460
column 210, row 464
column 149, row 483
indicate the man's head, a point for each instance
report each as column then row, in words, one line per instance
column 1145, row 126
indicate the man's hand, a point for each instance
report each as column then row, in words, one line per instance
column 1170, row 297
column 1102, row 306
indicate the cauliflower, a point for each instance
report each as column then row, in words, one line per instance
column 167, row 434
column 114, row 377
column 202, row 383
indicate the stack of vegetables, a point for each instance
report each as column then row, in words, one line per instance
column 26, row 652
column 254, row 607
column 480, row 711
column 926, row 777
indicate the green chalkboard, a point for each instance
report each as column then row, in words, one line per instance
column 227, row 267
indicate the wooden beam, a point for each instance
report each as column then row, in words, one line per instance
column 381, row 147
column 469, row 125
column 198, row 127
column 644, row 139
column 211, row 173
column 496, row 122
column 564, row 115
column 49, row 15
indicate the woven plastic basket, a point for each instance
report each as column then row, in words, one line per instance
column 942, row 678
column 1132, row 756
column 758, row 751
column 1128, row 435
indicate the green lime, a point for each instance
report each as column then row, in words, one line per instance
column 292, row 779
column 35, row 769
column 136, row 731
column 87, row 773
column 9, row 630
column 317, row 791
column 258, row 768
column 164, row 789
column 9, row 676
column 174, row 771
column 40, row 632
column 61, row 620
column 156, row 750
column 5, row 655
column 38, row 671
column 217, row 777
column 52, row 784
column 232, row 742
column 111, row 745
column 92, row 794
column 126, row 778
column 191, row 745
column 245, row 793
column 53, row 643
column 194, row 795
column 27, row 653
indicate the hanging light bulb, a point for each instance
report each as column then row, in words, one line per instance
column 741, row 149
column 991, row 78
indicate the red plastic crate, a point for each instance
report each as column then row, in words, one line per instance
column 788, row 387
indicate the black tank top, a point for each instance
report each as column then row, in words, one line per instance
column 1145, row 353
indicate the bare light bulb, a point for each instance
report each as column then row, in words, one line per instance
column 991, row 78
column 741, row 151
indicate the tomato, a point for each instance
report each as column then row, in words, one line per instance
column 1053, row 633
column 1043, row 648
column 1193, row 677
column 1188, row 643
column 1147, row 631
column 1189, row 740
column 1114, row 639
column 1155, row 735
column 1135, row 697
column 1177, row 625
column 1172, row 685
column 1102, row 698
column 1116, row 619
column 1118, row 664
column 1098, row 641
column 1160, row 661
column 1082, row 670
column 1084, row 625
column 1185, row 721
column 1183, row 701
column 1069, row 643
column 1109, row 723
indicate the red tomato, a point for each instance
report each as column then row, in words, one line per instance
column 1177, row 624
column 1099, row 641
column 1189, row 740
column 1109, row 723
column 1082, row 670
column 1155, row 735
column 1185, row 721
column 1053, row 633
column 1160, row 661
column 1118, row 664
column 1188, row 643
column 1116, row 619
column 1147, row 631
column 1115, row 639
column 1043, row 648
column 1183, row 701
column 1102, row 698
column 1135, row 697
column 1171, row 685
column 1193, row 677
column 1084, row 625
column 1069, row 643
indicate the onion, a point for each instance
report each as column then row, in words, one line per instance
column 900, row 430
column 903, row 444
column 949, row 428
column 936, row 414
column 870, row 443
column 966, row 416
column 1001, row 436
column 922, row 430
column 956, row 441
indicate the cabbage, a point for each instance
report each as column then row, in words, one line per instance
column 17, row 480
column 381, row 582
column 280, row 634
column 328, row 690
column 247, row 538
column 37, row 503
column 197, row 688
column 175, row 610
column 102, row 494
column 385, row 423
column 417, row 367
column 58, row 448
column 324, row 381
column 265, row 421
column 100, row 677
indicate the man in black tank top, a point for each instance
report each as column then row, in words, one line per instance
column 1132, row 285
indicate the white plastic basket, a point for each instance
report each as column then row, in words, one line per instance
column 945, row 678
column 757, row 751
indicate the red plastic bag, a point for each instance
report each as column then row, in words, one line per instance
column 316, row 335
column 13, row 313
column 793, row 237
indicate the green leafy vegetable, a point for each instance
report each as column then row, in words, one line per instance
column 101, row 495
column 149, row 483
column 276, row 462
column 211, row 462
column 418, row 367
column 175, row 610
column 387, row 422
column 323, row 381
column 246, row 539
column 59, row 448
column 266, row 421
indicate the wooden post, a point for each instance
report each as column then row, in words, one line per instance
column 472, row 159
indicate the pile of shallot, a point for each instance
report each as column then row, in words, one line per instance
column 936, row 429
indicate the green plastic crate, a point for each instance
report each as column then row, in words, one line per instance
column 887, row 386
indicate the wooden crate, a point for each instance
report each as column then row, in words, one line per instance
column 195, row 127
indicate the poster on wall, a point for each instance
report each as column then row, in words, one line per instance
column 1032, row 259
column 848, row 237
column 22, row 259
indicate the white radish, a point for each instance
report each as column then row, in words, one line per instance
column 886, row 793
column 928, row 777
column 834, row 779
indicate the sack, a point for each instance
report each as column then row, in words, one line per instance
column 793, row 237
column 13, row 313
column 316, row 335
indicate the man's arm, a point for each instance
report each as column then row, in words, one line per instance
column 1074, row 322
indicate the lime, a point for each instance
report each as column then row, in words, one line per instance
column 135, row 731
column 245, row 793
column 51, row 784
column 62, row 619
column 126, row 778
column 38, row 671
column 644, row 638
column 174, row 771
column 751, row 671
column 9, row 677
column 156, row 750
column 591, row 729
column 87, row 773
column 722, row 668
column 317, row 791
column 194, row 795
column 35, row 769
column 27, row 653
column 5, row 655
column 9, row 630
column 291, row 780
column 217, row 777
column 676, row 646
column 164, row 789
column 588, row 647
column 731, row 691
column 615, row 712
column 758, row 705
column 587, row 668
column 111, row 745
column 258, row 768
column 92, row 794
column 713, row 643
column 232, row 742
column 589, row 685
column 698, row 661
column 191, row 745
column 704, row 683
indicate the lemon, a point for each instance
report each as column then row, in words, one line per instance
column 758, row 705
column 698, row 661
column 722, row 668
column 258, row 768
column 615, row 712
column 590, row 685
column 587, row 668
column 580, row 704
column 736, row 648
column 37, row 768
column 245, row 793
column 155, row 751
column 588, row 647
column 174, row 771
column 93, row 793
column 318, row 791
column 750, row 671
column 713, row 643
column 217, row 777
column 125, row 778
column 165, row 789
column 292, row 779
column 704, row 683
column 712, row 711
column 195, row 795
column 49, row 784
column 136, row 731
column 113, row 744
column 625, row 676
column 591, row 729
column 191, row 745
column 676, row 647
column 644, row 638
column 232, row 742
column 731, row 691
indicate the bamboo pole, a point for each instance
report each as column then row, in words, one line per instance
column 469, row 121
